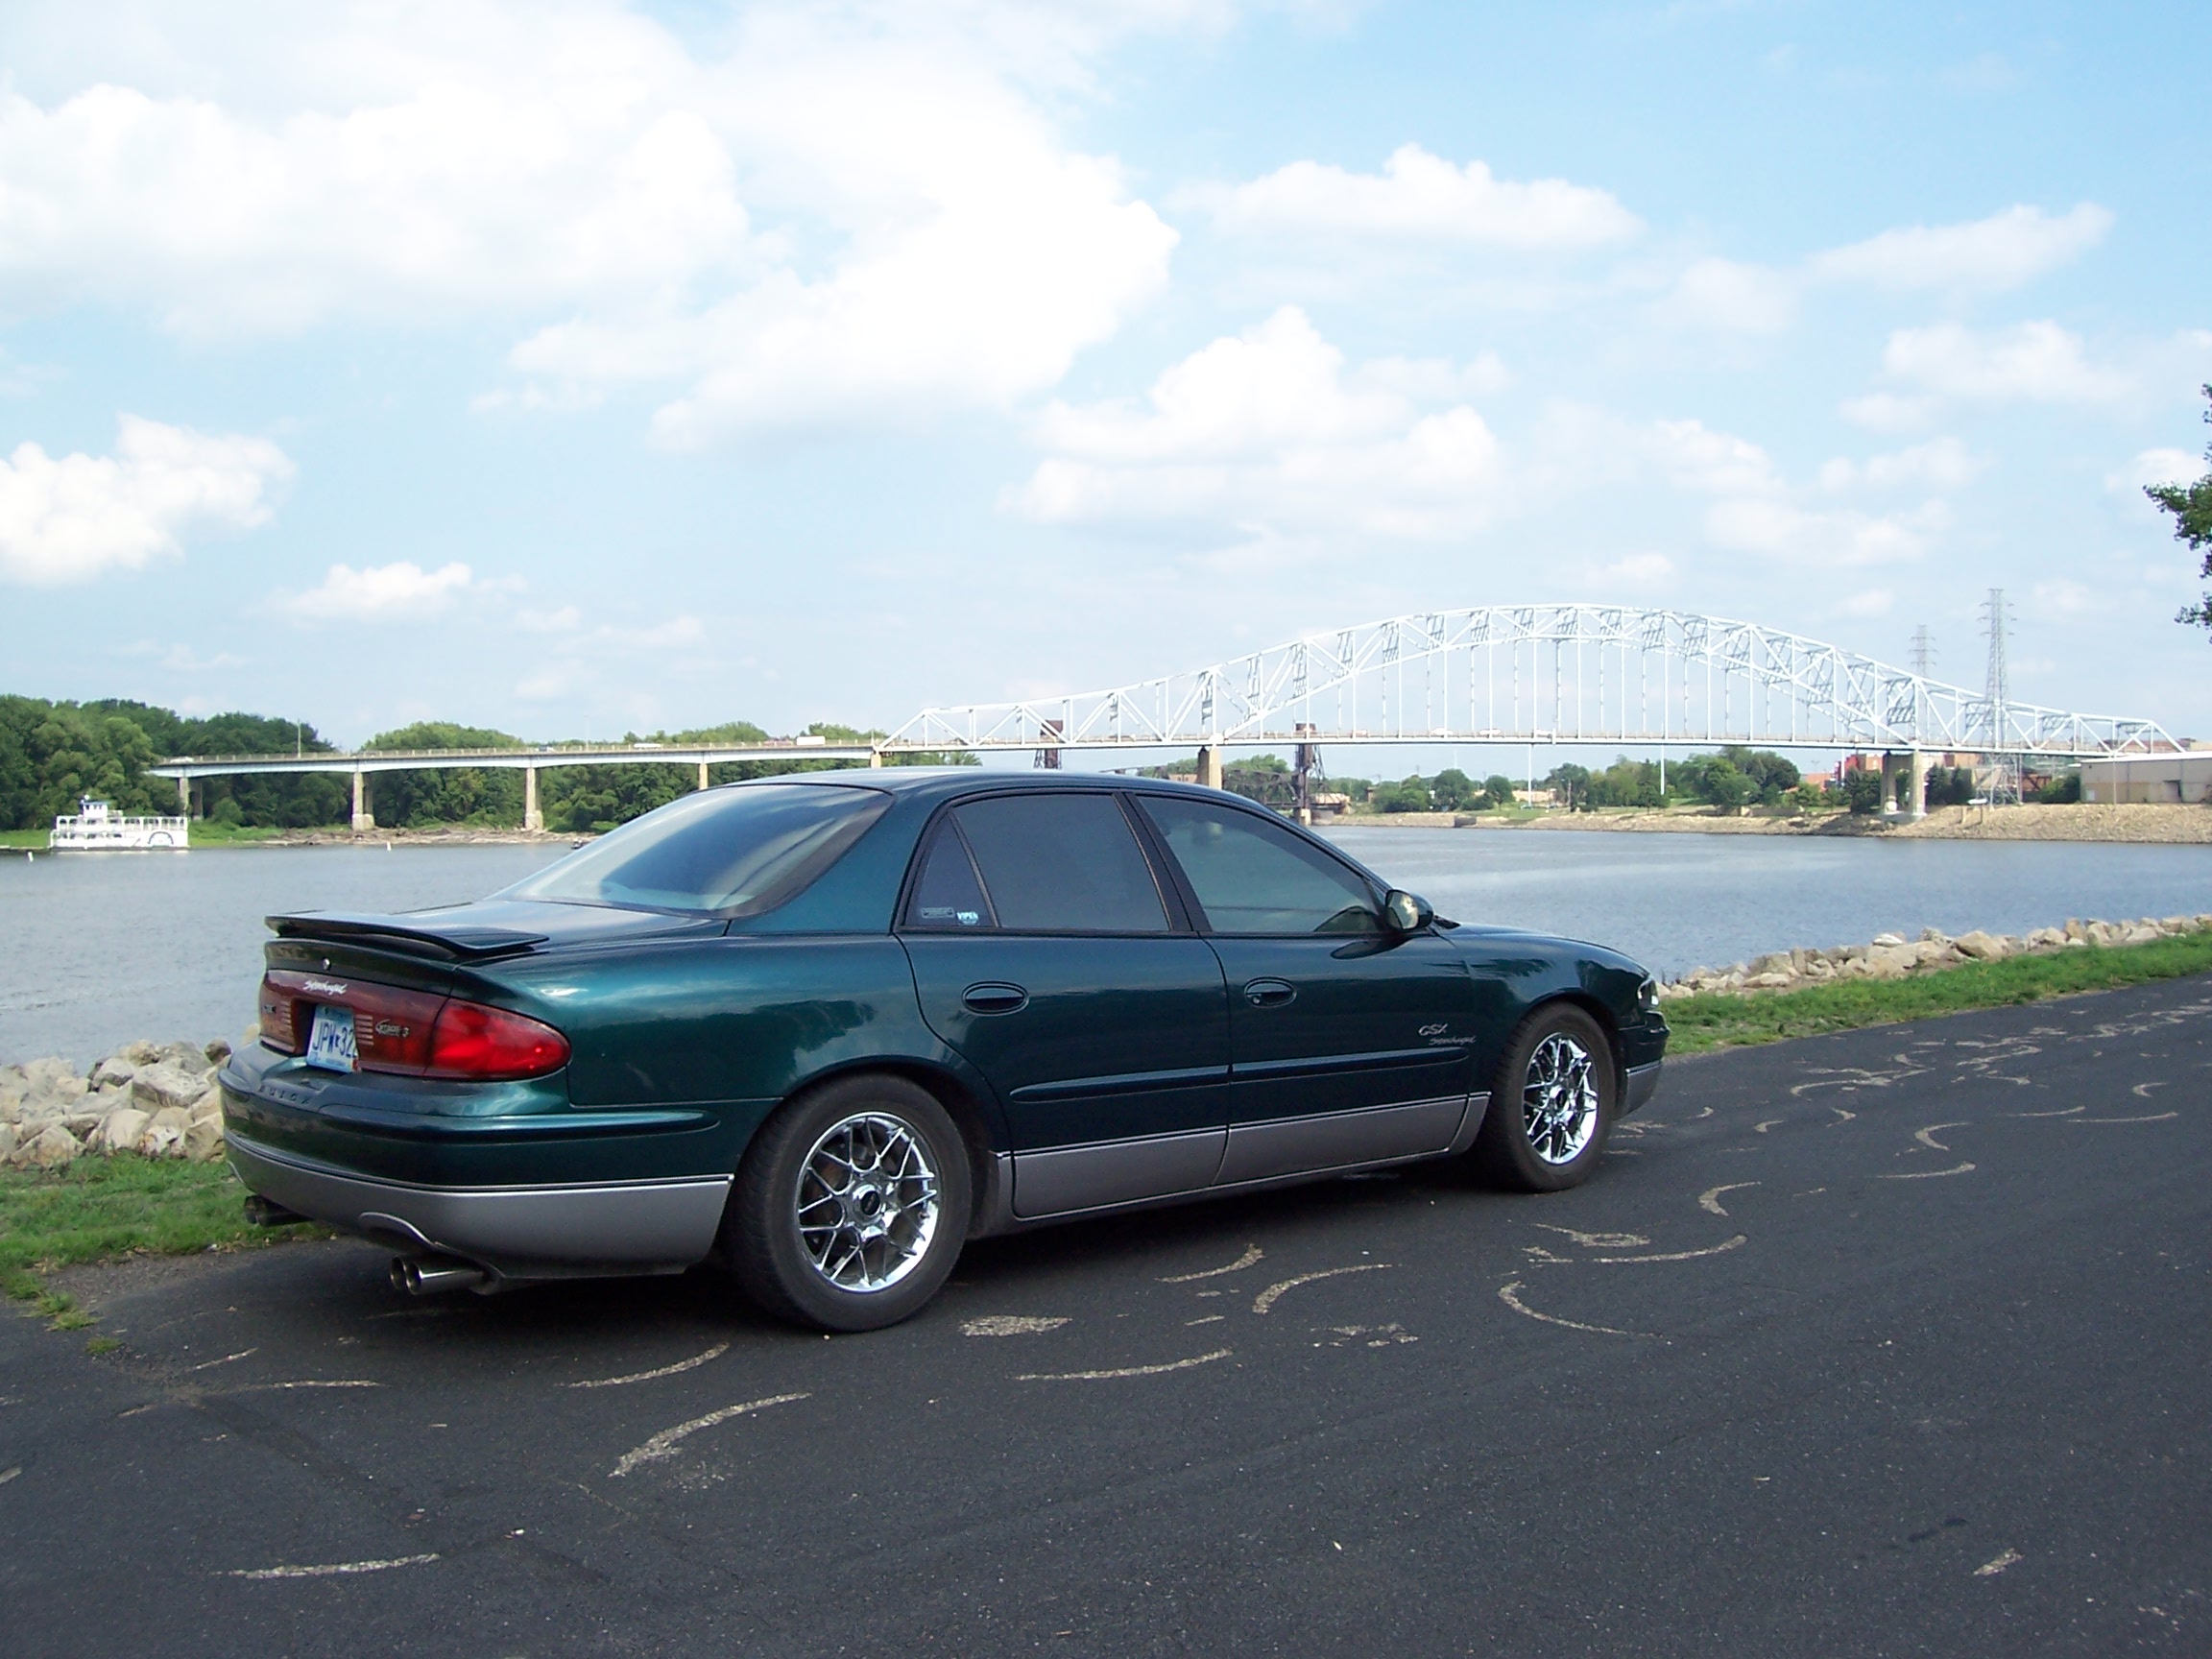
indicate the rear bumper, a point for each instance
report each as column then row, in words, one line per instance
column 1642, row 1084
column 539, row 1232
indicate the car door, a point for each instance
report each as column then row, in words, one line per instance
column 1349, row 1042
column 1045, row 952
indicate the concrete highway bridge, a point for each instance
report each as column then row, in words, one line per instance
column 1540, row 676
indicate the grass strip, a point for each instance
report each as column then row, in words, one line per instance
column 98, row 1207
column 1723, row 1020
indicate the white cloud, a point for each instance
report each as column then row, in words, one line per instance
column 2158, row 466
column 1987, row 256
column 856, row 213
column 1724, row 295
column 2064, row 597
column 1755, row 509
column 71, row 517
column 1266, row 431
column 596, row 659
column 1984, row 256
column 401, row 591
column 1887, row 412
column 1873, row 602
column 2033, row 362
column 1420, row 198
column 1941, row 463
column 1639, row 570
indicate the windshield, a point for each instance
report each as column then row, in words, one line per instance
column 720, row 852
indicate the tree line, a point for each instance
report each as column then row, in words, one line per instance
column 53, row 753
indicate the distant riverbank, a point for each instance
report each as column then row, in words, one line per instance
column 2142, row 824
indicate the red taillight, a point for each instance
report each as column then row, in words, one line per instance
column 415, row 1033
column 276, row 1024
column 472, row 1040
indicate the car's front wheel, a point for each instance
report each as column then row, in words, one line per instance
column 1553, row 1103
column 852, row 1206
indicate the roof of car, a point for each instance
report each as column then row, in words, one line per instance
column 944, row 781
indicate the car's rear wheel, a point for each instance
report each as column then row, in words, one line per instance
column 852, row 1206
column 1554, row 1099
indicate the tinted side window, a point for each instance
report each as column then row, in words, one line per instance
column 1062, row 864
column 1254, row 877
column 948, row 895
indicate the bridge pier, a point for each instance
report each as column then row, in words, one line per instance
column 702, row 774
column 1916, row 792
column 364, row 818
column 1209, row 766
column 532, row 818
column 184, row 796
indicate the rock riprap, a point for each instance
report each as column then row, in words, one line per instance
column 1890, row 956
column 158, row 1099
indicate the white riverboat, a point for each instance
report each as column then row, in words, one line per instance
column 97, row 828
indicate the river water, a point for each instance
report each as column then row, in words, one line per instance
column 96, row 950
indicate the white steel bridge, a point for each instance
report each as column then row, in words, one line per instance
column 1594, row 676
column 1601, row 676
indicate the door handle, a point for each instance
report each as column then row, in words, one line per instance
column 1271, row 993
column 994, row 998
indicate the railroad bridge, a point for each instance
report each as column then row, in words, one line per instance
column 1540, row 676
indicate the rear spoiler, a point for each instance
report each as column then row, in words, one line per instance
column 457, row 944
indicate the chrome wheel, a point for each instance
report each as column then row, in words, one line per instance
column 1560, row 1101
column 867, row 1202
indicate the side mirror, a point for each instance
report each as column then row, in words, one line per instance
column 1405, row 912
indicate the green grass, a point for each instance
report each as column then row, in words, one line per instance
column 33, row 838
column 1717, row 1020
column 98, row 1207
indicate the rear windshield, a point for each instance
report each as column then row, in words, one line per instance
column 720, row 852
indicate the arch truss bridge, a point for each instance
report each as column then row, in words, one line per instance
column 1598, row 676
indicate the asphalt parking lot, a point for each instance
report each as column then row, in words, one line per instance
column 1894, row 1342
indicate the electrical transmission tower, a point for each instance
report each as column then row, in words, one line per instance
column 2005, row 784
column 1923, row 652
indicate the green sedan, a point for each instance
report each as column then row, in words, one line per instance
column 822, row 1030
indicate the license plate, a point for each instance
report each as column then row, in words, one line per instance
column 330, row 1040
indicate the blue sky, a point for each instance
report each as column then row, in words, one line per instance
column 574, row 368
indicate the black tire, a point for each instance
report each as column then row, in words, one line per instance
column 779, row 1264
column 1528, row 1140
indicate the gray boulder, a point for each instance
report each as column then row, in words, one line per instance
column 162, row 1086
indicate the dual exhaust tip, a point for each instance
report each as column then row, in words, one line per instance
column 432, row 1275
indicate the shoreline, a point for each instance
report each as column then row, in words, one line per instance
column 2151, row 825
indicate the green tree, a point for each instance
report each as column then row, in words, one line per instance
column 1863, row 790
column 1498, row 790
column 1454, row 790
column 1407, row 795
column 1570, row 785
column 482, row 795
column 2191, row 505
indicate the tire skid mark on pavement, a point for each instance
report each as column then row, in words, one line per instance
column 1709, row 1200
column 211, row 1365
column 1927, row 1137
column 692, row 1365
column 2154, row 1117
column 307, row 1382
column 1510, row 1295
column 663, row 1445
column 2142, row 1091
column 1124, row 1370
column 1598, row 1240
column 1927, row 1174
column 1012, row 1324
column 1721, row 1248
column 1250, row 1259
column 1267, row 1298
column 331, row 1569
column 1857, row 1076
column 2069, row 1112
column 1761, row 1128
